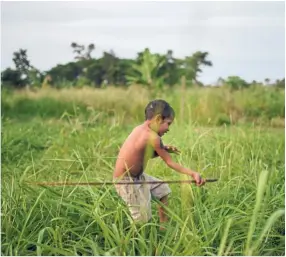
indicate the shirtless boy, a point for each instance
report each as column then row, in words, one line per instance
column 142, row 144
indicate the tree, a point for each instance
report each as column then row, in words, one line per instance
column 146, row 70
column 69, row 72
column 79, row 50
column 170, row 69
column 22, row 64
column 95, row 73
column 90, row 48
column 280, row 83
column 192, row 65
column 124, row 66
column 109, row 66
column 21, row 61
column 267, row 81
column 12, row 78
column 220, row 82
column 28, row 73
column 236, row 83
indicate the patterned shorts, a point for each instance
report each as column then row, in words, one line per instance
column 138, row 196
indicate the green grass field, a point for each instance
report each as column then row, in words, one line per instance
column 241, row 214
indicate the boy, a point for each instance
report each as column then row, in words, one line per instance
column 142, row 144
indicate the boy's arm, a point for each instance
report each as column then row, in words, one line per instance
column 169, row 149
column 162, row 146
column 156, row 142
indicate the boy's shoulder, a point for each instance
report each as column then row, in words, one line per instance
column 143, row 131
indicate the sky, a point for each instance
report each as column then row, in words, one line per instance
column 245, row 39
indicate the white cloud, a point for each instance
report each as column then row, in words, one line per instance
column 242, row 37
column 247, row 22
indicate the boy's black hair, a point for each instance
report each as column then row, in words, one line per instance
column 159, row 106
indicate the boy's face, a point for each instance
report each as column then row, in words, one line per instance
column 163, row 126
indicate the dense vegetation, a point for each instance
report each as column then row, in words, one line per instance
column 74, row 135
column 67, row 124
column 200, row 106
column 151, row 70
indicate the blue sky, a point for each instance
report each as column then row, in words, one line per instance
column 243, row 38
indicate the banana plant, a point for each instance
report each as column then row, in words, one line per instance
column 146, row 70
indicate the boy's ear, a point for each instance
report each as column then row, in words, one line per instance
column 158, row 118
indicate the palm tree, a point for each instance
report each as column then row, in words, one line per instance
column 90, row 48
column 192, row 65
column 78, row 49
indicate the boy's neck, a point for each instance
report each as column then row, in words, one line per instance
column 148, row 123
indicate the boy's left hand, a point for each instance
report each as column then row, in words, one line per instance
column 172, row 149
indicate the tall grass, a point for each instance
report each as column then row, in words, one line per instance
column 242, row 214
column 203, row 106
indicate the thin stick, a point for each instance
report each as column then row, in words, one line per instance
column 116, row 183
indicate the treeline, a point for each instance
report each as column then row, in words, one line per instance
column 151, row 70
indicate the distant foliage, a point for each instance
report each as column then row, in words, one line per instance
column 203, row 106
column 236, row 83
column 151, row 70
column 146, row 70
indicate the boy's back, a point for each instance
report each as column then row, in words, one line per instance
column 135, row 152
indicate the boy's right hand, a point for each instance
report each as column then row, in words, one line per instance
column 172, row 149
column 199, row 180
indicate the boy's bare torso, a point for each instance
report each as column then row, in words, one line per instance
column 135, row 152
